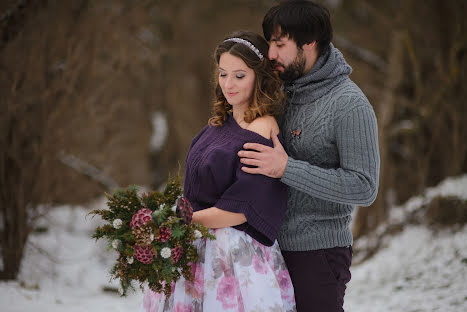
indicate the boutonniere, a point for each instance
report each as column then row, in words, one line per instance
column 295, row 133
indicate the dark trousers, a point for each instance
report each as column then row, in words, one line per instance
column 319, row 278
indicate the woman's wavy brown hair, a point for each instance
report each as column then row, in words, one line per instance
column 268, row 98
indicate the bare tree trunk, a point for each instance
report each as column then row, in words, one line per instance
column 14, row 235
column 368, row 219
column 15, row 197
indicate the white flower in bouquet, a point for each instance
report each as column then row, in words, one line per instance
column 116, row 243
column 174, row 208
column 166, row 252
column 197, row 234
column 117, row 223
column 151, row 237
column 129, row 260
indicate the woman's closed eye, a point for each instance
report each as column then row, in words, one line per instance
column 238, row 76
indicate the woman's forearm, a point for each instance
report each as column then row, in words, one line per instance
column 217, row 218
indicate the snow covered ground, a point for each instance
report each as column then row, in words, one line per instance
column 64, row 269
column 418, row 270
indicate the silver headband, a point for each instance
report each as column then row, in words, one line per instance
column 248, row 44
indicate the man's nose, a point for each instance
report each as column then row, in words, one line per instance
column 272, row 53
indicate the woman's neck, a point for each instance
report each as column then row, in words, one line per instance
column 238, row 114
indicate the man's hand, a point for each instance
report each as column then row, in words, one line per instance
column 270, row 161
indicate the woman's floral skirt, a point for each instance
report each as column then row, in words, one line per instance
column 234, row 273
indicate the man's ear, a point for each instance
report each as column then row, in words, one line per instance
column 309, row 46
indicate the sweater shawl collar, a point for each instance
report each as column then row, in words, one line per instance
column 329, row 70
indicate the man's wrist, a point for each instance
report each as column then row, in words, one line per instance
column 284, row 166
column 287, row 163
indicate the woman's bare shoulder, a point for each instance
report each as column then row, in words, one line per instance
column 263, row 126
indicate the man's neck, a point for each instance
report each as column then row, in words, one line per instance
column 310, row 62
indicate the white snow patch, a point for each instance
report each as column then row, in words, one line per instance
column 65, row 269
column 417, row 271
column 455, row 186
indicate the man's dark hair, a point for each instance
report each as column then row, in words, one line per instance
column 304, row 22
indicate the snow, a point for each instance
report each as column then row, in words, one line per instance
column 418, row 269
column 65, row 269
column 455, row 186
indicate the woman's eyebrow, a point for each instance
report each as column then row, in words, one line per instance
column 234, row 70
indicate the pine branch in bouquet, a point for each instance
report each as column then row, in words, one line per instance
column 178, row 232
column 153, row 235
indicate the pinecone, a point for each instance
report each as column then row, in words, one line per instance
column 143, row 235
column 184, row 209
column 144, row 254
column 177, row 253
column 164, row 234
column 141, row 217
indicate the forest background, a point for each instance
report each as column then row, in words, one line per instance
column 95, row 94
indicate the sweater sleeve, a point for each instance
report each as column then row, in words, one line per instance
column 261, row 199
column 356, row 181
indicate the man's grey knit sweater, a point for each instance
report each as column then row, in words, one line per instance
column 330, row 135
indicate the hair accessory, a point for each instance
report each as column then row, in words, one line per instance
column 248, row 44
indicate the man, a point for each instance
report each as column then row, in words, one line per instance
column 330, row 158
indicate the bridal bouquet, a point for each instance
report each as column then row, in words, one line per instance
column 153, row 235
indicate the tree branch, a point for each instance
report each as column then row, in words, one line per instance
column 361, row 53
column 87, row 169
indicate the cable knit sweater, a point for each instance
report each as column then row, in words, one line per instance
column 330, row 134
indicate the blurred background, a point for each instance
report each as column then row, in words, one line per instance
column 95, row 94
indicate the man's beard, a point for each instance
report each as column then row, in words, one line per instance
column 295, row 69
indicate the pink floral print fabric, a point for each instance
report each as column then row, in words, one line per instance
column 235, row 273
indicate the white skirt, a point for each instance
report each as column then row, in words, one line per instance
column 234, row 273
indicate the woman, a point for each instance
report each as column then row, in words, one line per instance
column 243, row 269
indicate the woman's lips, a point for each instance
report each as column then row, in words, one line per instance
column 231, row 93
